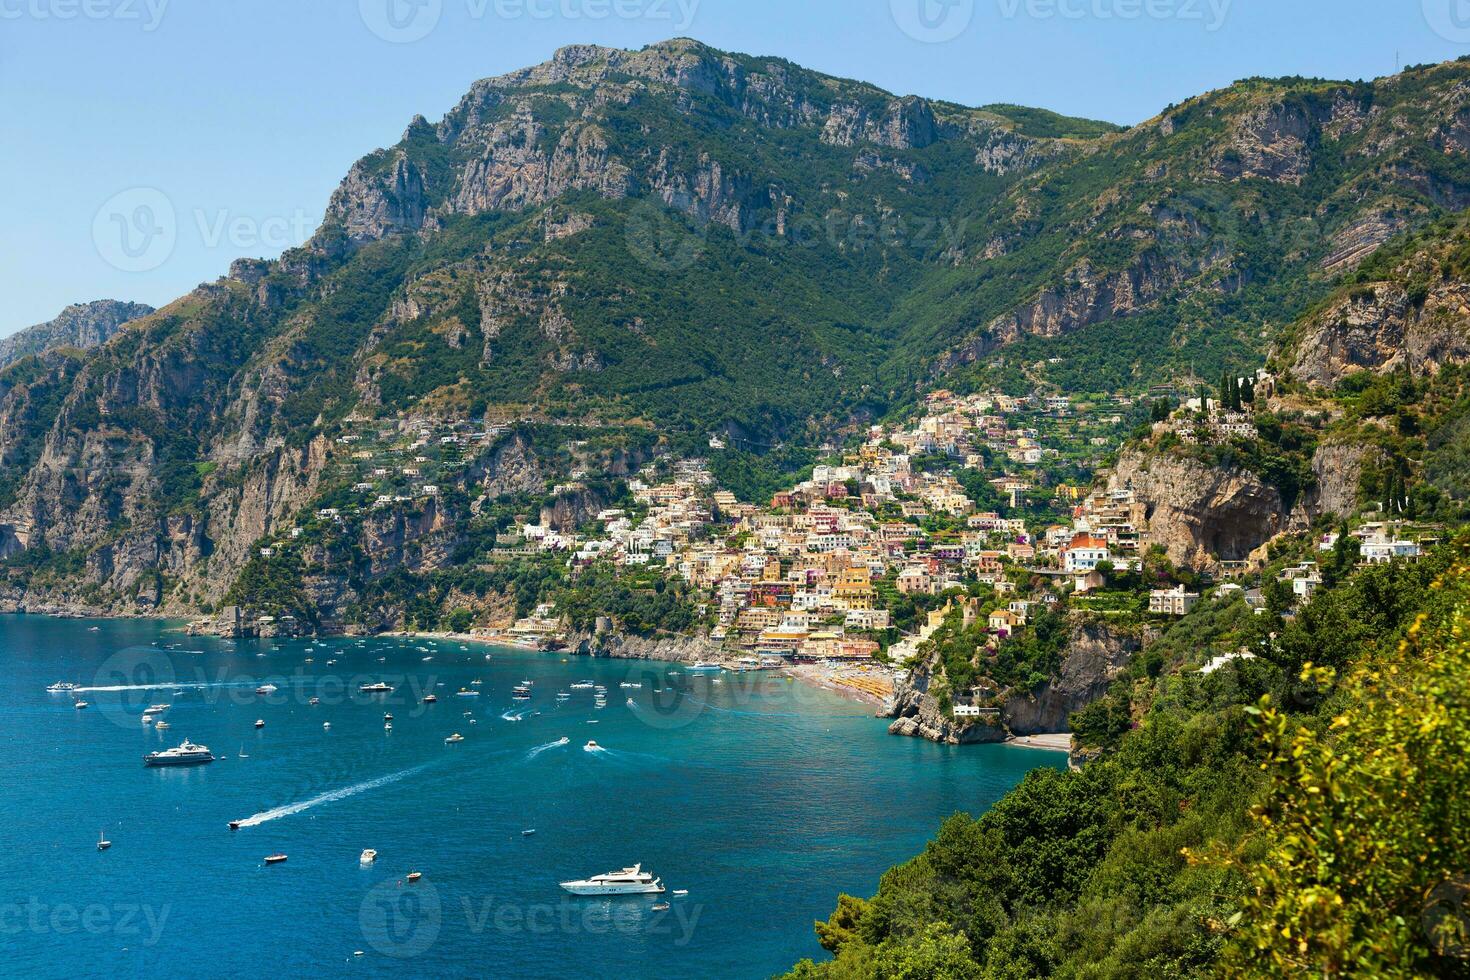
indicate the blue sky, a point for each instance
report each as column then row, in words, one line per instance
column 240, row 116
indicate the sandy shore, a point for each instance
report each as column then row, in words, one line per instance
column 1056, row 743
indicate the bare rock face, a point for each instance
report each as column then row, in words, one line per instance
column 1271, row 143
column 1197, row 512
column 1381, row 327
column 1096, row 655
column 81, row 325
column 1338, row 467
column 904, row 124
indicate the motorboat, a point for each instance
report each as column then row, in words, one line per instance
column 82, row 704
column 260, row 723
column 528, row 833
column 414, row 876
column 466, row 693
column 592, row 747
column 661, row 907
column 275, row 858
column 314, row 702
column 431, row 699
column 186, row 754
column 387, row 726
column 704, row 666
column 629, row 881
column 146, row 719
column 629, row 685
column 61, row 687
column 326, row 726
column 583, row 686
column 266, row 689
column 521, row 694
column 158, row 709
column 456, row 737
column 378, row 688
column 163, row 726
column 368, row 856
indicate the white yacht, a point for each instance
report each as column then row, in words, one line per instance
column 629, row 881
column 705, row 666
column 378, row 688
column 368, row 856
column 187, row 754
column 61, row 687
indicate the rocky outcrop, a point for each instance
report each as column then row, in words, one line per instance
column 1338, row 468
column 622, row 646
column 81, row 325
column 1200, row 513
column 1096, row 654
column 918, row 714
column 1385, row 326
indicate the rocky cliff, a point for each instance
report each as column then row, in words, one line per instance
column 81, row 325
column 1094, row 655
column 1200, row 513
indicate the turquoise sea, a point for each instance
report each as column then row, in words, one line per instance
column 762, row 798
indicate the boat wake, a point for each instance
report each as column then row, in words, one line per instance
column 291, row 809
column 549, row 745
column 514, row 716
column 171, row 686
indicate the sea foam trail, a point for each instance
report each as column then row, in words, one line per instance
column 292, row 809
column 549, row 745
column 169, row 687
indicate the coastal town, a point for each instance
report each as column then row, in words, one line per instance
column 980, row 511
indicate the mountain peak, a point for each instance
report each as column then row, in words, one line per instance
column 84, row 325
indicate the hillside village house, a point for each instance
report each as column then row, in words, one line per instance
column 1172, row 602
column 1084, row 553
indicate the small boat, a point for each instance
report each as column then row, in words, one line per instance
column 368, row 856
column 521, row 694
column 242, row 753
column 146, row 719
column 528, row 833
column 260, row 723
column 234, row 825
column 456, row 737
column 82, row 704
column 630, row 686
column 326, row 726
column 162, row 725
column 414, row 876
column 314, row 702
column 592, row 746
column 266, row 689
column 704, row 666
column 477, row 683
column 102, row 842
column 464, row 693
column 583, row 686
column 158, row 709
column 61, row 687
column 431, row 699
column 275, row 858
column 681, row 891
column 378, row 688
column 387, row 726
column 661, row 907
column 388, row 716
